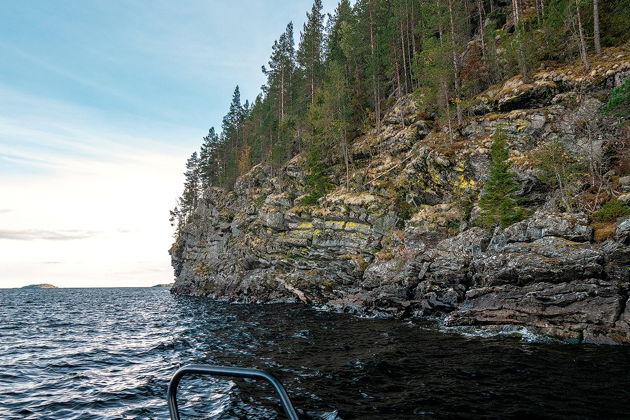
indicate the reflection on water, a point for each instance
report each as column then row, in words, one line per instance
column 109, row 353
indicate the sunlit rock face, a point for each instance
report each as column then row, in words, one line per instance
column 401, row 239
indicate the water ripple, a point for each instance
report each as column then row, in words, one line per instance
column 109, row 353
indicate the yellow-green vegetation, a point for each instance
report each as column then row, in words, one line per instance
column 611, row 210
column 384, row 254
column 259, row 201
column 619, row 100
column 335, row 224
column 328, row 285
column 304, row 226
column 358, row 259
column 202, row 269
column 603, row 231
column 558, row 169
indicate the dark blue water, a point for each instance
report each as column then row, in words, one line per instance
column 109, row 353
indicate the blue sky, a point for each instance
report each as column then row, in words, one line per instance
column 101, row 102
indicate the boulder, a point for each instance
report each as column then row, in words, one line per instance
column 549, row 259
column 579, row 309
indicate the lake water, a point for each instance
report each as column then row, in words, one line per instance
column 109, row 353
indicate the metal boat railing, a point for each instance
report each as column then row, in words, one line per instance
column 236, row 372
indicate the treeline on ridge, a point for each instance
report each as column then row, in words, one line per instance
column 349, row 66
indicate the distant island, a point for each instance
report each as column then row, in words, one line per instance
column 164, row 285
column 40, row 286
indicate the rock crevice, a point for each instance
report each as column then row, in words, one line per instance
column 401, row 241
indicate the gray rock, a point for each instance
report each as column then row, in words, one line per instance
column 573, row 227
column 571, row 310
column 359, row 250
column 549, row 259
column 625, row 181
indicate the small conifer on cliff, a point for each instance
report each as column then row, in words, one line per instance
column 499, row 202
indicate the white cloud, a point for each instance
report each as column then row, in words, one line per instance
column 110, row 194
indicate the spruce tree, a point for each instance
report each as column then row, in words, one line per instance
column 498, row 202
column 280, row 71
column 209, row 161
column 309, row 53
column 190, row 196
column 233, row 118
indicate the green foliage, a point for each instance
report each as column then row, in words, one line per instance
column 555, row 39
column 310, row 51
column 316, row 183
column 611, row 210
column 209, row 160
column 615, row 21
column 192, row 191
column 521, row 51
column 558, row 169
column 498, row 202
column 404, row 208
column 339, row 81
column 619, row 100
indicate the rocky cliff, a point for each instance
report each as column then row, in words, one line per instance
column 401, row 238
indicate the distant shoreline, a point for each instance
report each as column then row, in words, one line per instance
column 40, row 286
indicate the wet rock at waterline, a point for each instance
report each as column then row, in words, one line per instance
column 401, row 239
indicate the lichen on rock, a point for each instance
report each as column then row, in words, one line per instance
column 402, row 239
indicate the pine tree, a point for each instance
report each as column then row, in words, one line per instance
column 209, row 161
column 231, row 139
column 280, row 71
column 309, row 53
column 434, row 64
column 190, row 197
column 328, row 123
column 233, row 118
column 338, row 24
column 498, row 202
column 318, row 98
column 370, row 14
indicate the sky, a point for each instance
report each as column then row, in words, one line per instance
column 101, row 102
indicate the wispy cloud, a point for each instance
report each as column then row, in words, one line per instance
column 37, row 132
column 101, row 104
column 72, row 76
column 47, row 235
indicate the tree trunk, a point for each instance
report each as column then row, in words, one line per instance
column 455, row 66
column 346, row 159
column 448, row 113
column 408, row 35
column 413, row 45
column 445, row 89
column 404, row 55
column 377, row 99
column 515, row 11
column 398, row 87
column 596, row 36
column 581, row 34
column 481, row 22
column 282, row 94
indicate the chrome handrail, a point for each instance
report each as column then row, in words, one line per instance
column 226, row 371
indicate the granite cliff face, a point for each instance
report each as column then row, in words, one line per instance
column 401, row 239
